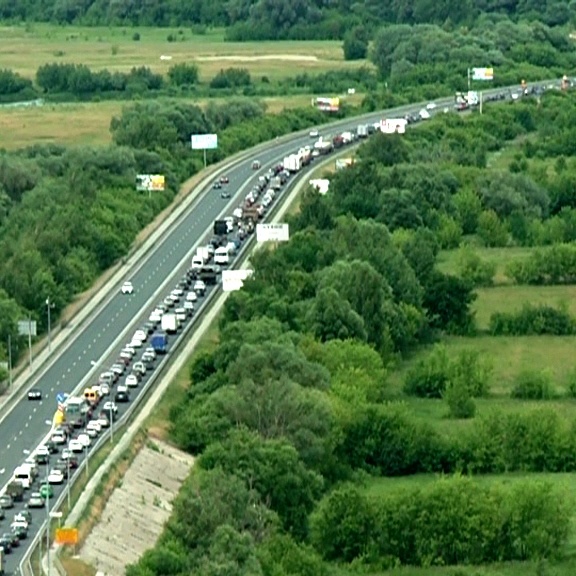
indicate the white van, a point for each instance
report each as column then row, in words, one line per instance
column 221, row 256
column 197, row 262
column 23, row 475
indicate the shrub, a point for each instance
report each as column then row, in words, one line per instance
column 459, row 400
column 430, row 376
column 473, row 269
column 533, row 320
column 532, row 386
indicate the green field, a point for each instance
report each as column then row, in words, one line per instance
column 25, row 47
column 89, row 123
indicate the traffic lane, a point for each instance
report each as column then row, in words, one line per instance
column 120, row 309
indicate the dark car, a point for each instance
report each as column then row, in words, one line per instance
column 150, row 327
column 217, row 186
column 6, row 543
column 121, row 397
column 34, row 394
column 42, row 458
column 14, row 540
column 20, row 531
column 224, row 180
column 225, row 195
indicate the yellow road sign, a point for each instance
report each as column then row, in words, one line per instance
column 66, row 535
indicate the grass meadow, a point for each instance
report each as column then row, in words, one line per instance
column 25, row 47
column 89, row 123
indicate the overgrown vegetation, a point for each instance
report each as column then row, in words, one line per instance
column 299, row 403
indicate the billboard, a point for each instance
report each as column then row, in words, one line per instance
column 272, row 233
column 342, row 163
column 327, row 104
column 67, row 536
column 233, row 280
column 150, row 182
column 393, row 126
column 482, row 73
column 204, row 141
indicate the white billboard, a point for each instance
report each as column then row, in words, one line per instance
column 393, row 125
column 272, row 233
column 204, row 141
column 233, row 280
column 482, row 73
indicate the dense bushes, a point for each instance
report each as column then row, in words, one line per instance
column 531, row 320
column 452, row 521
column 553, row 265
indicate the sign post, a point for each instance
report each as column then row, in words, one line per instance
column 481, row 74
column 150, row 183
column 204, row 142
column 272, row 233
column 28, row 328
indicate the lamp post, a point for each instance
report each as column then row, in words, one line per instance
column 112, row 426
column 49, row 306
column 68, row 483
column 86, row 452
column 10, row 361
column 48, row 525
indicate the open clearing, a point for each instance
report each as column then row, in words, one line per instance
column 135, row 514
column 89, row 123
column 25, row 47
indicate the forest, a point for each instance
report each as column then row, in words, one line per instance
column 283, row 19
column 351, row 418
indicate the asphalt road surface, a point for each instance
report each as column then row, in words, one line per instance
column 96, row 347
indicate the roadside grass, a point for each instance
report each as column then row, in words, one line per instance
column 25, row 47
column 565, row 483
column 89, row 123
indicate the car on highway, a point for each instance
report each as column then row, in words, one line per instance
column 58, row 438
column 139, row 367
column 84, row 439
column 20, row 530
column 127, row 288
column 34, row 394
column 314, row 133
column 75, row 446
column 46, row 490
column 104, row 420
column 191, row 297
column 224, row 180
column 199, row 287
column 14, row 539
column 36, row 500
column 110, row 407
column 217, row 185
column 256, row 165
column 57, row 476
column 6, row 501
column 6, row 543
column 131, row 381
column 225, row 195
column 121, row 397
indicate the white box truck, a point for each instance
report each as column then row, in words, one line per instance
column 221, row 256
column 169, row 323
column 200, row 258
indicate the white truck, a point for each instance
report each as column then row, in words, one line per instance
column 200, row 258
column 347, row 137
column 362, row 131
column 170, row 323
column 292, row 163
column 222, row 256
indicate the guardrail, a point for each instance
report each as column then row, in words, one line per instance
column 240, row 257
column 25, row 567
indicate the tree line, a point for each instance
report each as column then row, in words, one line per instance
column 293, row 408
column 285, row 19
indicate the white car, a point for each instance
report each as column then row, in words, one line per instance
column 431, row 106
column 177, row 292
column 42, row 451
column 123, row 389
column 75, row 446
column 130, row 349
column 127, row 288
column 188, row 306
column 110, row 406
column 151, row 352
column 94, row 425
column 84, row 439
column 91, row 432
column 424, row 114
column 314, row 133
column 140, row 335
column 181, row 314
column 199, row 287
column 58, row 438
column 56, row 477
column 136, row 344
column 66, row 453
column 155, row 317
column 131, row 381
column 191, row 297
column 139, row 367
column 104, row 390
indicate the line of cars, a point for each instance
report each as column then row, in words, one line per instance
column 48, row 468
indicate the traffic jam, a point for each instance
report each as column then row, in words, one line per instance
column 83, row 417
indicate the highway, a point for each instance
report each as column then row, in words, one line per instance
column 97, row 345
